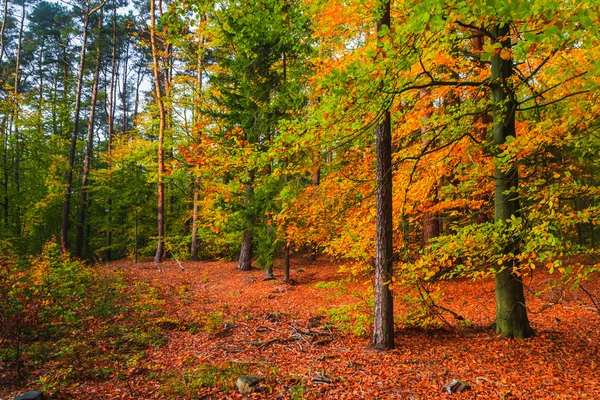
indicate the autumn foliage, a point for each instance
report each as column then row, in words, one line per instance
column 257, row 130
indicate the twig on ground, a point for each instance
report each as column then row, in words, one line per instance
column 591, row 298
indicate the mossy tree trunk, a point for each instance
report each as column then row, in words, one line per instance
column 511, row 312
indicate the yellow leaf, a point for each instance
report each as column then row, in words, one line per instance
column 506, row 54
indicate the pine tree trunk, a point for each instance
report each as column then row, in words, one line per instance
column 73, row 147
column 383, row 327
column 194, row 244
column 511, row 313
column 110, row 113
column 17, row 121
column 196, row 198
column 161, row 136
column 88, row 152
column 3, row 29
column 124, row 92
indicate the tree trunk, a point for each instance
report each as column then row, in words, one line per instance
column 286, row 262
column 2, row 30
column 5, row 172
column 88, row 151
column 110, row 113
column 16, row 118
column 245, row 260
column 269, row 273
column 383, row 327
column 432, row 226
column 69, row 178
column 511, row 313
column 194, row 244
column 161, row 136
column 482, row 122
column 124, row 90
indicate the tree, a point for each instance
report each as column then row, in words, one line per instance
column 88, row 12
column 158, row 93
column 511, row 313
column 89, row 145
column 383, row 329
column 257, row 85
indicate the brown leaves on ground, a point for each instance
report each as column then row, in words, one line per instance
column 220, row 323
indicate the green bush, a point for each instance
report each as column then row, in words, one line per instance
column 58, row 310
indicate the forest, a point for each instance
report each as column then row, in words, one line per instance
column 299, row 199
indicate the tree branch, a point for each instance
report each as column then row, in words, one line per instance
column 553, row 101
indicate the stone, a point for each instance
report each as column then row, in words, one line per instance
column 455, row 386
column 248, row 384
column 33, row 395
column 228, row 325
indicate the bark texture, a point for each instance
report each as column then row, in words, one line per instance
column 245, row 260
column 383, row 327
column 511, row 312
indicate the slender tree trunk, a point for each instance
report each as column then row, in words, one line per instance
column 161, row 135
column 482, row 122
column 511, row 313
column 63, row 110
column 124, row 90
column 383, row 328
column 286, row 261
column 88, row 151
column 194, row 244
column 431, row 220
column 110, row 112
column 316, row 181
column 16, row 119
column 5, row 171
column 40, row 109
column 2, row 30
column 136, row 106
column 196, row 197
column 75, row 132
column 135, row 245
column 246, row 251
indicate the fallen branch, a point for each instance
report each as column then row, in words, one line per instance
column 435, row 307
column 175, row 258
column 591, row 298
column 261, row 345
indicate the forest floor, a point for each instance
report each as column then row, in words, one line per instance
column 217, row 323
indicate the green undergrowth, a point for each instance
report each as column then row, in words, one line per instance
column 222, row 376
column 65, row 322
column 354, row 316
column 188, row 383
